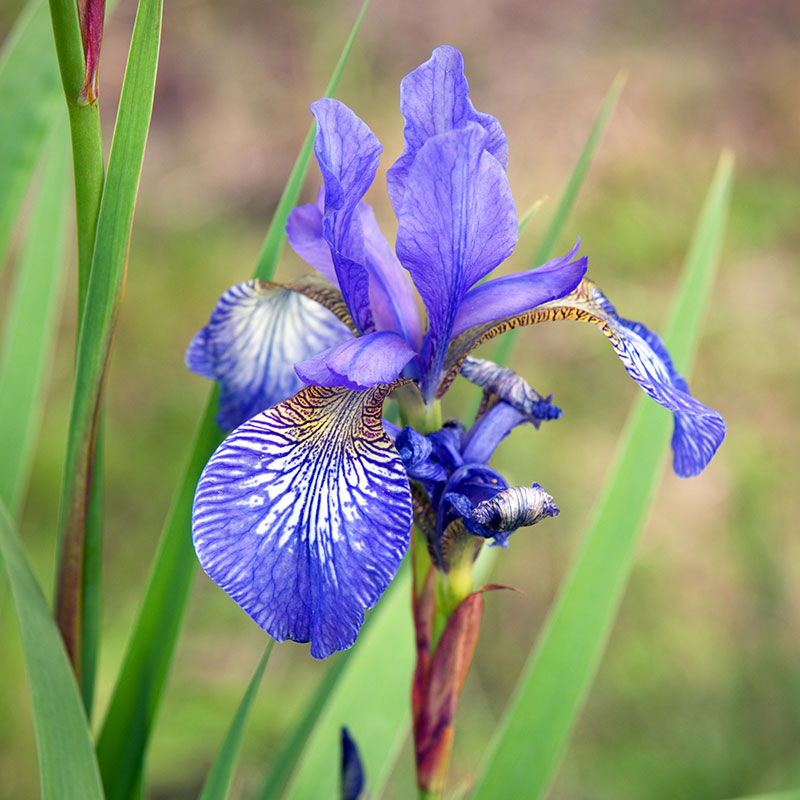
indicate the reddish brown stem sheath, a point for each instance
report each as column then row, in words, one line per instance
column 439, row 676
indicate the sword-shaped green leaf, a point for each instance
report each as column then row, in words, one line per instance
column 276, row 233
column 218, row 782
column 375, row 710
column 533, row 735
column 67, row 765
column 30, row 92
column 567, row 201
column 28, row 336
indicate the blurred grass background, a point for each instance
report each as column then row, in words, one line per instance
column 699, row 694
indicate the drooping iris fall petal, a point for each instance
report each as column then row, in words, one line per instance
column 303, row 516
column 254, row 337
column 699, row 430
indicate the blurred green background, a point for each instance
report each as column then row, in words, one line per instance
column 699, row 693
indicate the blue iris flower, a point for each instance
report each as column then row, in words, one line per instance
column 303, row 514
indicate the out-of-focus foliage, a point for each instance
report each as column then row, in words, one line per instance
column 699, row 694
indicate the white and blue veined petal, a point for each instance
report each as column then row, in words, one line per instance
column 303, row 515
column 256, row 334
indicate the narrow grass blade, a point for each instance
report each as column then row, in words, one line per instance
column 67, row 765
column 30, row 327
column 218, row 783
column 293, row 745
column 276, row 233
column 791, row 794
column 534, row 209
column 92, row 579
column 100, row 312
column 533, row 735
column 30, row 89
column 371, row 699
column 578, row 175
column 140, row 684
column 567, row 201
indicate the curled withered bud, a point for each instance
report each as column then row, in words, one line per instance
column 507, row 385
column 91, row 14
column 515, row 508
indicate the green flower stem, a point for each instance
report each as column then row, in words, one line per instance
column 455, row 585
column 89, row 169
column 414, row 411
column 87, row 142
column 89, row 172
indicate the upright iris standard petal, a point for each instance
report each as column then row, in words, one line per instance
column 457, row 224
column 255, row 336
column 513, row 294
column 303, row 516
column 699, row 430
column 434, row 99
column 358, row 363
column 348, row 153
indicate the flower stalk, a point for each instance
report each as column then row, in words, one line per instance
column 78, row 33
column 443, row 660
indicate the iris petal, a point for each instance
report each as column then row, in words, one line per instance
column 358, row 363
column 489, row 430
column 699, row 430
column 304, row 234
column 500, row 383
column 303, row 516
column 347, row 152
column 391, row 294
column 434, row 99
column 254, row 337
column 457, row 224
column 513, row 294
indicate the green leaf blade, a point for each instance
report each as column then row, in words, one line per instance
column 31, row 91
column 533, row 735
column 386, row 736
column 28, row 336
column 276, row 233
column 218, row 783
column 576, row 179
column 567, row 201
column 67, row 764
